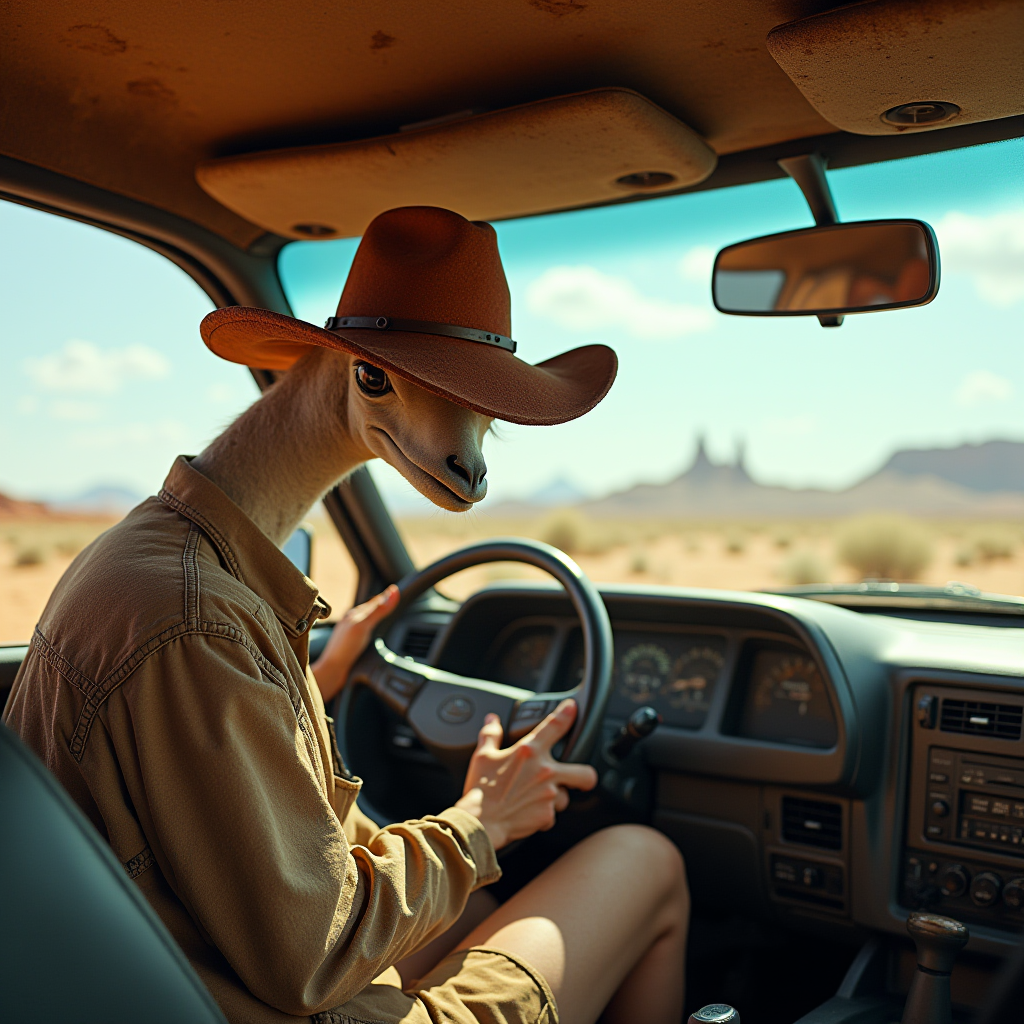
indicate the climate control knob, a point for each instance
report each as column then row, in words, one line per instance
column 940, row 808
column 985, row 888
column 1013, row 893
column 953, row 880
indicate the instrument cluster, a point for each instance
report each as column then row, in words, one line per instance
column 778, row 692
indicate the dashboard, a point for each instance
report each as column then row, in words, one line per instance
column 780, row 690
column 793, row 767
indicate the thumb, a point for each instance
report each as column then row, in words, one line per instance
column 490, row 735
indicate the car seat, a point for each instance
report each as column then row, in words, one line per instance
column 78, row 941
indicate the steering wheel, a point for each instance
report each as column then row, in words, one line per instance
column 446, row 710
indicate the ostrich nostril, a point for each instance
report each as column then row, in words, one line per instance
column 457, row 468
column 473, row 476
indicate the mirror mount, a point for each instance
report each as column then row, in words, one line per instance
column 808, row 171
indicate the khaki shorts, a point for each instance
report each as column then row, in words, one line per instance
column 471, row 986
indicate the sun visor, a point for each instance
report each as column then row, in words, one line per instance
column 893, row 66
column 551, row 155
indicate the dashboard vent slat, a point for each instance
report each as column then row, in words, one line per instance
column 812, row 823
column 980, row 718
column 418, row 640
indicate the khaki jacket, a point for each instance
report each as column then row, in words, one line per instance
column 167, row 687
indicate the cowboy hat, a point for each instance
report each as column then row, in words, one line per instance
column 427, row 300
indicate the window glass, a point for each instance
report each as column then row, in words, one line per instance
column 104, row 381
column 748, row 452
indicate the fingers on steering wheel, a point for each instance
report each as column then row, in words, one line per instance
column 575, row 776
column 554, row 727
column 491, row 734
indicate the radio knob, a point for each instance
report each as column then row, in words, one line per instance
column 985, row 888
column 940, row 808
column 1013, row 893
column 953, row 880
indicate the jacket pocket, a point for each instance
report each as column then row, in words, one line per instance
column 344, row 796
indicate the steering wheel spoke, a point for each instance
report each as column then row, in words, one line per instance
column 446, row 710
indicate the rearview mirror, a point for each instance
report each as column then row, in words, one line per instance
column 858, row 267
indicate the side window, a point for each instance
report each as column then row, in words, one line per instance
column 104, row 380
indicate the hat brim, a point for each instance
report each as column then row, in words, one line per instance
column 488, row 380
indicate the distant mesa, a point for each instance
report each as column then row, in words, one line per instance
column 970, row 481
column 100, row 501
column 104, row 499
column 990, row 467
column 559, row 492
column 12, row 509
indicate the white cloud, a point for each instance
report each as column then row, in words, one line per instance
column 583, row 298
column 27, row 405
column 990, row 249
column 981, row 387
column 81, row 412
column 697, row 264
column 82, row 366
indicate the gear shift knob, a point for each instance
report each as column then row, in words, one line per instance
column 714, row 1013
column 938, row 940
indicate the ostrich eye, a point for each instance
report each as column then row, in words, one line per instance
column 372, row 380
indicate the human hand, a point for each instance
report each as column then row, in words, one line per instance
column 348, row 638
column 518, row 791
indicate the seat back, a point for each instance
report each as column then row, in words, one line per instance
column 78, row 941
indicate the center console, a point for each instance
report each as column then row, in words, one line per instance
column 964, row 841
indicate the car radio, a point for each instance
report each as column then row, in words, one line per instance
column 964, row 848
column 975, row 800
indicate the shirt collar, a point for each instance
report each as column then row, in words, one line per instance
column 248, row 553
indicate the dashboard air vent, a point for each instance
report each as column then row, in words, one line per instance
column 418, row 640
column 812, row 823
column 978, row 718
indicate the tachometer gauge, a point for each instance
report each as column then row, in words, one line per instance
column 693, row 678
column 644, row 670
column 788, row 701
column 523, row 657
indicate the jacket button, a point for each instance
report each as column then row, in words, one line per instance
column 302, row 625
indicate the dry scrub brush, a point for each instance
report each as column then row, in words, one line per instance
column 884, row 547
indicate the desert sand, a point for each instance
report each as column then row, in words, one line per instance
column 751, row 556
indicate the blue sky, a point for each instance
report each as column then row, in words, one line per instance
column 105, row 377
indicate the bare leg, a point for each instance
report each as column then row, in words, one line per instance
column 412, row 968
column 606, row 927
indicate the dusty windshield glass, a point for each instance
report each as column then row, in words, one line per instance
column 750, row 453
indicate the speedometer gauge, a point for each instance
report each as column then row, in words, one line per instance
column 693, row 678
column 644, row 670
column 788, row 701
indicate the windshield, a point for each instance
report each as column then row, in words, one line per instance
column 747, row 452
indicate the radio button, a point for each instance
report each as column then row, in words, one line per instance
column 1018, row 811
column 1013, row 894
column 953, row 880
column 985, row 889
column 979, row 805
column 938, row 777
column 1001, row 807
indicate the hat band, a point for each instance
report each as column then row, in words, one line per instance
column 390, row 323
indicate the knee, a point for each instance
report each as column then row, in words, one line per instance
column 650, row 855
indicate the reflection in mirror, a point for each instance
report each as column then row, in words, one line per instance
column 839, row 268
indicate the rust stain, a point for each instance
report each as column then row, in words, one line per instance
column 381, row 40
column 152, row 89
column 559, row 8
column 95, row 39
